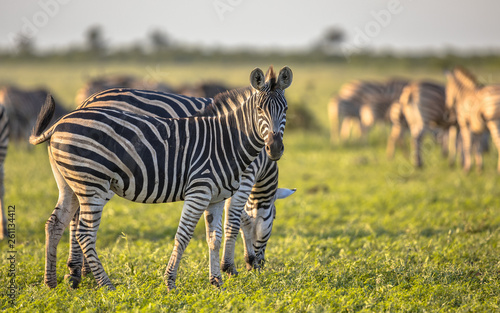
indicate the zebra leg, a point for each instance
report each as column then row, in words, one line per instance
column 494, row 127
column 345, row 129
column 466, row 146
column 393, row 137
column 76, row 257
column 86, row 234
column 416, row 144
column 191, row 213
column 478, row 156
column 452, row 145
column 233, row 210
column 3, row 216
column 247, row 233
column 263, row 229
column 213, row 224
column 333, row 113
column 61, row 216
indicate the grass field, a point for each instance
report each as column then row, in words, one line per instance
column 360, row 234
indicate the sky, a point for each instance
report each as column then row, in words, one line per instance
column 397, row 25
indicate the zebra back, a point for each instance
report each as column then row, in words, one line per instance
column 376, row 108
column 424, row 102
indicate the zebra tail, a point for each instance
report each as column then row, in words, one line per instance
column 43, row 120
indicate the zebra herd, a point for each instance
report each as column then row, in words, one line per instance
column 461, row 114
column 152, row 147
column 218, row 154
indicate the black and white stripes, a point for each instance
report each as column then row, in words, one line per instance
column 96, row 152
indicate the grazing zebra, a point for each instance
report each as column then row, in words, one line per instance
column 259, row 181
column 344, row 109
column 108, row 82
column 22, row 107
column 376, row 108
column 97, row 152
column 477, row 109
column 421, row 107
column 4, row 141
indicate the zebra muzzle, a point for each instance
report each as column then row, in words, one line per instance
column 274, row 146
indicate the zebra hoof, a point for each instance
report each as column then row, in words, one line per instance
column 216, row 281
column 86, row 271
column 73, row 281
column 229, row 269
column 51, row 284
column 250, row 260
column 171, row 286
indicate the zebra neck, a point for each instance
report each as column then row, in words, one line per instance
column 236, row 136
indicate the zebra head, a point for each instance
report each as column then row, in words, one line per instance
column 271, row 107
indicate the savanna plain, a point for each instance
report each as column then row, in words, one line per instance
column 361, row 233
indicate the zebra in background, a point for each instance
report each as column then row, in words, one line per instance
column 377, row 107
column 421, row 108
column 98, row 84
column 4, row 142
column 18, row 112
column 477, row 110
column 97, row 152
column 344, row 109
column 22, row 107
column 257, row 193
column 205, row 89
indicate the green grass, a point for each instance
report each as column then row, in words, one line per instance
column 360, row 234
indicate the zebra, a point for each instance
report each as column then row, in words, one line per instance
column 421, row 107
column 98, row 152
column 4, row 142
column 207, row 89
column 344, row 109
column 259, row 181
column 18, row 108
column 21, row 107
column 102, row 83
column 477, row 110
column 376, row 108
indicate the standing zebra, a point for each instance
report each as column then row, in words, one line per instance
column 344, row 109
column 4, row 141
column 477, row 110
column 97, row 152
column 260, row 180
column 376, row 108
column 422, row 107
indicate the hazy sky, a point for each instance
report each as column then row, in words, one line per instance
column 397, row 24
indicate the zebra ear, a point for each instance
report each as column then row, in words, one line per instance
column 282, row 193
column 285, row 78
column 257, row 79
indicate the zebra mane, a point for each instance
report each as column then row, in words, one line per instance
column 465, row 77
column 271, row 78
column 227, row 101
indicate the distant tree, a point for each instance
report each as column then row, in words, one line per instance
column 95, row 40
column 331, row 40
column 24, row 45
column 159, row 40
